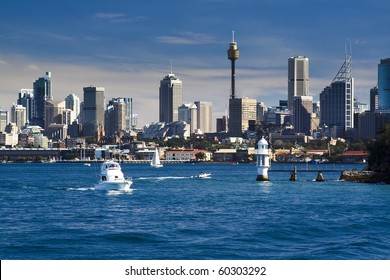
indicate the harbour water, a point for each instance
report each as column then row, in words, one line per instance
column 52, row 211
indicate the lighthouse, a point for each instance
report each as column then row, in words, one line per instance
column 262, row 160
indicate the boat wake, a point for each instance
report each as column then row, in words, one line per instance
column 162, row 178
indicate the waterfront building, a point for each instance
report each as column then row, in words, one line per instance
column 384, row 85
column 170, row 98
column 303, row 110
column 72, row 102
column 189, row 113
column 337, row 101
column 298, row 78
column 26, row 99
column 42, row 94
column 204, row 116
column 18, row 115
column 93, row 111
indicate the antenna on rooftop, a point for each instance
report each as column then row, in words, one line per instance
column 171, row 67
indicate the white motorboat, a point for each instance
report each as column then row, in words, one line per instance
column 203, row 175
column 112, row 178
column 156, row 160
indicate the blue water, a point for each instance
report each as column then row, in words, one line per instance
column 51, row 211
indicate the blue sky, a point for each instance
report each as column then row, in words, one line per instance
column 127, row 46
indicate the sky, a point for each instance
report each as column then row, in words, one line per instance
column 127, row 47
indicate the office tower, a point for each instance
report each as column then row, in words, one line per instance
column 298, row 78
column 221, row 124
column 233, row 54
column 303, row 109
column 337, row 100
column 188, row 113
column 384, row 85
column 72, row 102
column 93, row 111
column 261, row 110
column 170, row 98
column 115, row 116
column 3, row 119
column 241, row 111
column 26, row 99
column 54, row 112
column 42, row 94
column 19, row 115
column 204, row 116
column 374, row 99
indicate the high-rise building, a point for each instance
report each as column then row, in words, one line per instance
column 72, row 102
column 93, row 111
column 241, row 111
column 116, row 116
column 384, row 85
column 260, row 112
column 18, row 115
column 3, row 119
column 374, row 99
column 336, row 100
column 26, row 99
column 298, row 78
column 221, row 124
column 170, row 98
column 189, row 113
column 204, row 116
column 42, row 94
column 303, row 110
column 54, row 112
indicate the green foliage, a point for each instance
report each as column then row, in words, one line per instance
column 379, row 159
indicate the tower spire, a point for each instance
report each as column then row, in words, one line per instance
column 233, row 54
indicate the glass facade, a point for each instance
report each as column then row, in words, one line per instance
column 384, row 84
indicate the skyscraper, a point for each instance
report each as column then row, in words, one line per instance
column 118, row 115
column 93, row 111
column 18, row 115
column 298, row 78
column 26, row 99
column 337, row 100
column 3, row 119
column 241, row 111
column 303, row 109
column 170, row 98
column 42, row 93
column 72, row 102
column 204, row 116
column 188, row 113
column 384, row 85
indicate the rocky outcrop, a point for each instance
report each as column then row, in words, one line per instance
column 360, row 176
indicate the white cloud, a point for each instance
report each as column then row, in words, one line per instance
column 187, row 38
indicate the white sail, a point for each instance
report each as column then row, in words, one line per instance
column 156, row 160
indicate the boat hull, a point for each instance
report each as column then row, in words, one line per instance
column 121, row 186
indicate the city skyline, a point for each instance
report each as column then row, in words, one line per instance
column 127, row 47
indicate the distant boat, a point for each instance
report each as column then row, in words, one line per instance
column 202, row 175
column 112, row 178
column 156, row 160
column 87, row 164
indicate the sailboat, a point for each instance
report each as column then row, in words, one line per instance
column 156, row 160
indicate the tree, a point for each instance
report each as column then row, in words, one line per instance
column 379, row 159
